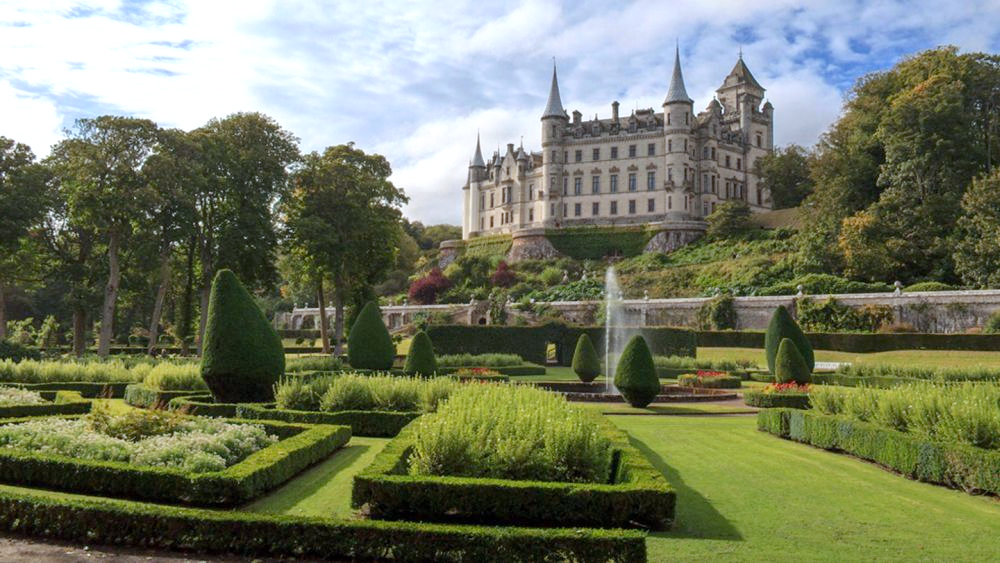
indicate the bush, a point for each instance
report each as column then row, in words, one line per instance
column 586, row 363
column 369, row 345
column 503, row 276
column 718, row 313
column 175, row 377
column 313, row 363
column 480, row 360
column 831, row 315
column 355, row 392
column 377, row 424
column 242, row 357
column 426, row 290
column 635, row 377
column 709, row 380
column 420, row 360
column 929, row 286
column 992, row 325
column 783, row 326
column 16, row 352
column 789, row 365
column 764, row 400
column 551, row 276
column 730, row 219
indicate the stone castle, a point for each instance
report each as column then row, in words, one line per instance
column 666, row 170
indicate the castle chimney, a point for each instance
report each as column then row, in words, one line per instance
column 510, row 147
column 614, row 111
column 577, row 117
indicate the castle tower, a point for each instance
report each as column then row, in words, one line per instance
column 678, row 118
column 554, row 121
column 741, row 95
column 477, row 174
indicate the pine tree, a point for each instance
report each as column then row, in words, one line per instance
column 369, row 345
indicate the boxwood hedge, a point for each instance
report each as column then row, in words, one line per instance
column 139, row 395
column 202, row 405
column 60, row 402
column 378, row 424
column 763, row 400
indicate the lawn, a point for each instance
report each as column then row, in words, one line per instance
column 936, row 358
column 748, row 496
column 672, row 408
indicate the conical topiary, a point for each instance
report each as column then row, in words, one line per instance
column 635, row 376
column 369, row 345
column 782, row 325
column 420, row 360
column 242, row 357
column 586, row 364
column 789, row 365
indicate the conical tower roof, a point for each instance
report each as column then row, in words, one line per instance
column 554, row 108
column 741, row 75
column 477, row 161
column 677, row 92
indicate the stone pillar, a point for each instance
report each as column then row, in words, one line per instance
column 531, row 244
column 673, row 234
column 448, row 252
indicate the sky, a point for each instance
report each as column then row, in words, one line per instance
column 417, row 80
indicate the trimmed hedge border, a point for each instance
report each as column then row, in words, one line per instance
column 120, row 522
column 859, row 342
column 883, row 382
column 689, row 379
column 524, row 369
column 202, row 405
column 138, row 395
column 61, row 403
column 87, row 389
column 971, row 469
column 776, row 400
column 376, row 424
column 638, row 496
column 260, row 472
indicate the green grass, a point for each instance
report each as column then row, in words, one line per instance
column 325, row 489
column 924, row 358
column 743, row 495
column 671, row 409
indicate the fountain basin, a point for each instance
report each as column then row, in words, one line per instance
column 597, row 392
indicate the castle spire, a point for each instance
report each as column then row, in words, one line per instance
column 677, row 92
column 554, row 106
column 477, row 161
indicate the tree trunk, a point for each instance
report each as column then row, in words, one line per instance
column 161, row 295
column 110, row 297
column 207, row 272
column 3, row 314
column 187, row 302
column 79, row 331
column 323, row 332
column 338, row 322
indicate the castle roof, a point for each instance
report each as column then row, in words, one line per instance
column 742, row 74
column 677, row 92
column 477, row 161
column 554, row 108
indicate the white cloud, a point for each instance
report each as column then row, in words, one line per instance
column 29, row 119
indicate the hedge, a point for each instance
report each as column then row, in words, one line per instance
column 859, row 342
column 202, row 405
column 138, row 395
column 595, row 243
column 489, row 245
column 639, row 495
column 378, row 424
column 88, row 389
column 763, row 400
column 61, row 402
column 719, row 382
column 881, row 381
column 121, row 522
column 974, row 470
column 530, row 342
column 262, row 471
column 524, row 369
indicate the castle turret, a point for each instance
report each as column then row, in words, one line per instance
column 741, row 95
column 477, row 170
column 554, row 121
column 678, row 112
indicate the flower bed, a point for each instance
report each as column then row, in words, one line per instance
column 151, row 458
column 479, row 360
column 479, row 374
column 628, row 490
column 350, row 391
column 376, row 424
column 709, row 380
column 778, row 395
column 22, row 403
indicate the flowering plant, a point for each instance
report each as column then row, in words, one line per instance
column 476, row 372
column 786, row 388
column 702, row 374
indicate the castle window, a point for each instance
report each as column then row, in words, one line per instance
column 614, row 153
column 577, row 186
column 650, row 181
column 491, row 221
column 704, row 182
column 579, row 156
column 482, row 223
column 492, row 203
column 670, row 174
column 685, row 145
column 687, row 121
column 632, row 184
column 670, row 202
column 631, row 207
column 670, row 145
column 668, row 118
column 631, row 151
column 713, row 207
column 597, row 154
column 739, row 164
column 565, row 186
column 651, row 149
column 565, row 210
column 595, row 184
column 704, row 152
column 577, row 211
column 552, row 209
column 531, row 215
column 482, row 201
column 595, row 208
column 760, row 197
column 531, row 191
column 650, row 205
column 704, row 208
column 713, row 153
column 758, row 139
column 728, row 164
column 614, row 208
column 729, row 192
column 632, row 125
column 565, row 156
column 552, row 159
column 613, row 183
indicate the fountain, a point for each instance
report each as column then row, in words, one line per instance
column 614, row 333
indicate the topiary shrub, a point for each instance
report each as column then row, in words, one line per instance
column 242, row 357
column 586, row 364
column 369, row 345
column 789, row 365
column 421, row 360
column 636, row 376
column 16, row 352
column 782, row 325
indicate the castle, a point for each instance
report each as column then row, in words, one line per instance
column 668, row 170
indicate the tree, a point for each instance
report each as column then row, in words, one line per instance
column 344, row 212
column 783, row 326
column 586, row 364
column 785, row 175
column 503, row 276
column 789, row 365
column 730, row 219
column 100, row 168
column 420, row 360
column 635, row 376
column 976, row 256
column 369, row 345
column 425, row 290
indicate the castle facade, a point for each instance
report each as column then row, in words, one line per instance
column 669, row 168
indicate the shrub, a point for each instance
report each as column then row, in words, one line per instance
column 783, row 326
column 425, row 291
column 420, row 360
column 175, row 377
column 586, row 363
column 992, row 325
column 12, row 396
column 831, row 315
column 313, row 363
column 929, row 286
column 369, row 345
column 709, row 380
column 479, row 360
column 503, row 276
column 551, row 276
column 242, row 357
column 718, row 313
column 789, row 365
column 635, row 377
column 16, row 352
column 730, row 219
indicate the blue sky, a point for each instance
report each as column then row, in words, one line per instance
column 415, row 80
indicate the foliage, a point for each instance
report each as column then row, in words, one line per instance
column 782, row 326
column 579, row 290
column 929, row 286
column 684, row 362
column 718, row 313
column 992, row 324
column 369, row 345
column 14, row 353
column 597, row 243
column 586, row 363
column 425, row 291
column 730, row 219
column 380, row 424
column 831, row 315
column 977, row 233
column 503, row 276
column 479, row 360
column 420, row 360
column 363, row 392
column 313, row 363
column 12, row 396
column 32, row 371
column 242, row 356
column 938, row 374
column 819, row 284
column 635, row 376
column 175, row 377
column 510, row 432
column 788, row 399
column 784, row 173
column 709, row 380
column 789, row 365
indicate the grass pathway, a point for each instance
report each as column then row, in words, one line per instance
column 747, row 496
